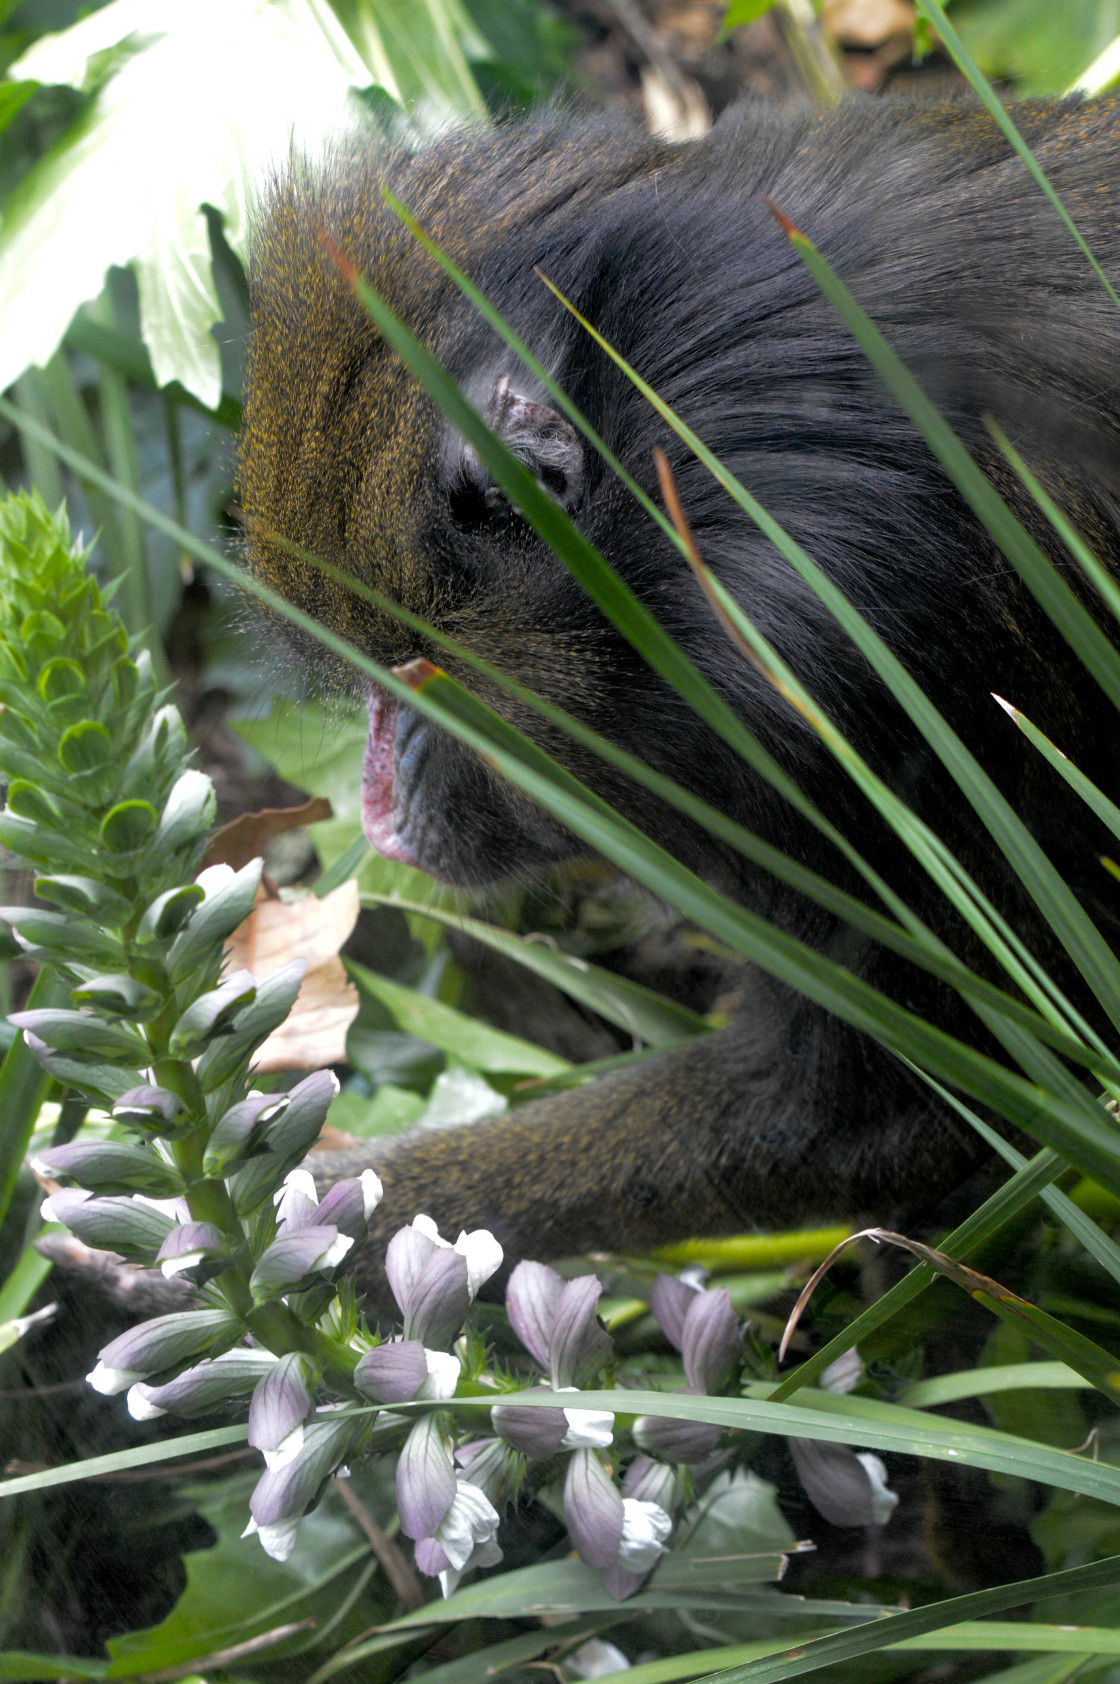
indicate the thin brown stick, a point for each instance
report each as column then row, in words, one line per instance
column 223, row 1657
column 398, row 1571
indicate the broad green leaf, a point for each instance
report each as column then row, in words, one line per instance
column 754, row 1251
column 641, row 1011
column 235, row 1592
column 1042, row 49
column 1102, row 74
column 389, row 1111
column 455, row 1033
column 201, row 97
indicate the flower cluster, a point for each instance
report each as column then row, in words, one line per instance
column 199, row 1173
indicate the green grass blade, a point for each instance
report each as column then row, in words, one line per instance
column 641, row 1011
column 1002, row 1207
column 981, row 1382
column 1084, row 943
column 1106, row 810
column 865, row 1640
column 973, row 74
column 118, row 1461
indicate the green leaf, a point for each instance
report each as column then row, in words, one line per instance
column 100, row 196
column 745, row 11
column 16, row 1664
column 463, row 1037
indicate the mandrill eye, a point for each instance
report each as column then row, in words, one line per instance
column 544, row 440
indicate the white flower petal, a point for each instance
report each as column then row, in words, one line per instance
column 110, row 1381
column 215, row 877
column 186, row 1260
column 588, row 1429
column 472, row 1519
column 425, row 1225
column 443, row 1375
column 296, row 1181
column 645, row 1527
column 279, row 1540
column 139, row 1406
column 483, row 1256
column 883, row 1499
column 596, row 1659
column 372, row 1192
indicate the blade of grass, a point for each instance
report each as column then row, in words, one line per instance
column 979, row 1382
column 1058, row 905
column 640, row 1011
column 991, row 101
column 1003, row 1205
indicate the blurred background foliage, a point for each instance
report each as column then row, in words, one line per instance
column 131, row 135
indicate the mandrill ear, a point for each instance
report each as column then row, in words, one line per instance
column 539, row 436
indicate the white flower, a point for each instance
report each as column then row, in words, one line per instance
column 47, row 1210
column 279, row 1539
column 471, row 1520
column 645, row 1527
column 486, row 1554
column 297, row 1181
column 883, row 1499
column 596, row 1659
column 844, row 1374
column 588, row 1429
column 110, row 1381
column 139, row 1407
column 215, row 877
column 480, row 1250
column 372, row 1192
column 443, row 1375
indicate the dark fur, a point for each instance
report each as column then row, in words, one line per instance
column 672, row 253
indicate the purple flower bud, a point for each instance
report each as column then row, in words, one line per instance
column 202, row 1388
column 166, row 1343
column 556, row 1321
column 285, row 1492
column 114, row 1166
column 669, row 1300
column 711, row 1342
column 392, row 1373
column 579, row 1346
column 294, row 1258
column 425, row 1478
column 351, row 1203
column 281, row 1402
column 651, row 1482
column 532, row 1299
column 239, row 1132
column 676, row 1440
column 295, row 1129
column 536, row 1433
column 430, row 1282
column 849, row 1488
column 131, row 1227
column 189, row 1244
column 150, row 1109
column 593, row 1509
column 297, row 1201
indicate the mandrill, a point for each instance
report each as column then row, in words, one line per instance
column 671, row 252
